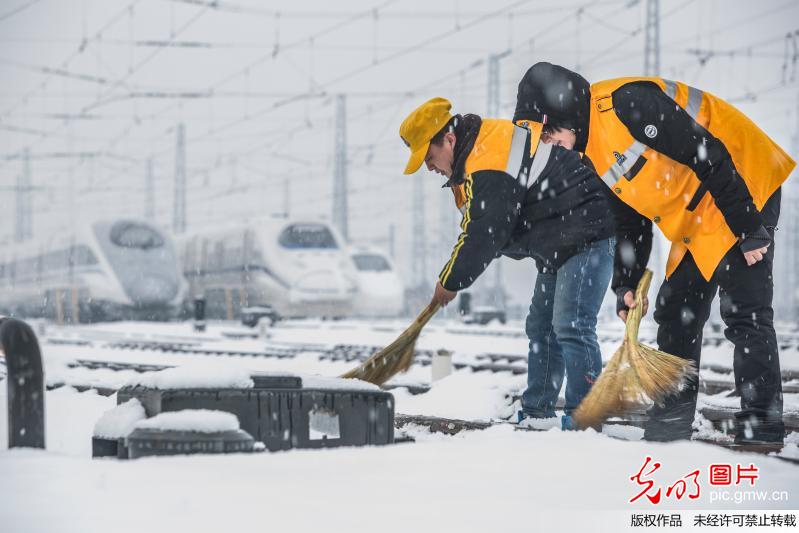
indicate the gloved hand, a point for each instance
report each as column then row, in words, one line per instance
column 625, row 300
column 755, row 245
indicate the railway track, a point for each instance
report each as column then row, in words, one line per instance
column 451, row 426
column 714, row 379
column 353, row 353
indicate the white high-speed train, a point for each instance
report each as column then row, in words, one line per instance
column 111, row 269
column 299, row 268
column 381, row 292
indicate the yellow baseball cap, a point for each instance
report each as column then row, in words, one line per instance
column 421, row 126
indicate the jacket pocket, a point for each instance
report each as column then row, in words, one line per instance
column 636, row 168
column 698, row 195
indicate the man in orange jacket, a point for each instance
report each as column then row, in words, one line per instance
column 710, row 179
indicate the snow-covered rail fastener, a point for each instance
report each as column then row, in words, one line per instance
column 67, row 341
column 84, row 387
column 716, row 386
column 710, row 385
column 787, row 373
column 723, row 417
column 169, row 347
column 452, row 426
column 356, row 352
column 497, row 362
column 362, row 352
column 115, row 366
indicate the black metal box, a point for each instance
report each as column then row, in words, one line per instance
column 283, row 414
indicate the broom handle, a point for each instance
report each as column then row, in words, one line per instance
column 635, row 314
column 426, row 314
column 420, row 321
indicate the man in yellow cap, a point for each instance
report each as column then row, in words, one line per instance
column 523, row 198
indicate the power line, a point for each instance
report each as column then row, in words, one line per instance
column 413, row 15
column 632, row 33
column 11, row 13
column 297, row 98
column 755, row 95
column 746, row 21
column 321, row 97
column 301, row 97
column 121, row 80
column 141, row 63
column 81, row 47
column 56, row 72
column 239, row 72
column 340, row 206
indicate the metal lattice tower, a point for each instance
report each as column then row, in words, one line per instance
column 790, row 237
column 419, row 252
column 493, row 86
column 446, row 226
column 149, row 191
column 652, row 68
column 179, row 213
column 286, row 197
column 24, row 214
column 493, row 112
column 340, row 213
column 652, row 39
column 795, row 140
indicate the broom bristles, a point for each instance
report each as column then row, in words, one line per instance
column 396, row 357
column 635, row 375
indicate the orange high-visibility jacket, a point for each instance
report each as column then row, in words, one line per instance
column 499, row 146
column 662, row 189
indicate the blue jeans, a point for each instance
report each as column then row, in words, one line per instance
column 561, row 327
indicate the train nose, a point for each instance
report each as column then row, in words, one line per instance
column 319, row 285
column 148, row 290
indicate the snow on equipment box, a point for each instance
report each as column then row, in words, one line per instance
column 145, row 442
column 285, row 412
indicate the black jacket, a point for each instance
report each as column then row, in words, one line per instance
column 681, row 138
column 558, row 216
column 562, row 98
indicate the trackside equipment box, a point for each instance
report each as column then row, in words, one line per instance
column 283, row 414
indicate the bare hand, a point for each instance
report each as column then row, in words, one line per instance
column 442, row 296
column 629, row 301
column 755, row 255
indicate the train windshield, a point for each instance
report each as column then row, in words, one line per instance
column 307, row 236
column 135, row 235
column 370, row 263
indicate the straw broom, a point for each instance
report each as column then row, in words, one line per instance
column 635, row 374
column 397, row 356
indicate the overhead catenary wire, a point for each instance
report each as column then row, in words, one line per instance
column 19, row 9
column 395, row 101
column 65, row 64
column 299, row 97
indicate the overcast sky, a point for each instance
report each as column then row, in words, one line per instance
column 91, row 90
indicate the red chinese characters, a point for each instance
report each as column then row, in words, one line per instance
column 722, row 474
column 688, row 486
column 648, row 483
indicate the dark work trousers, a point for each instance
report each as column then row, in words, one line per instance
column 681, row 310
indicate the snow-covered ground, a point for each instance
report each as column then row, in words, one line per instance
column 490, row 480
